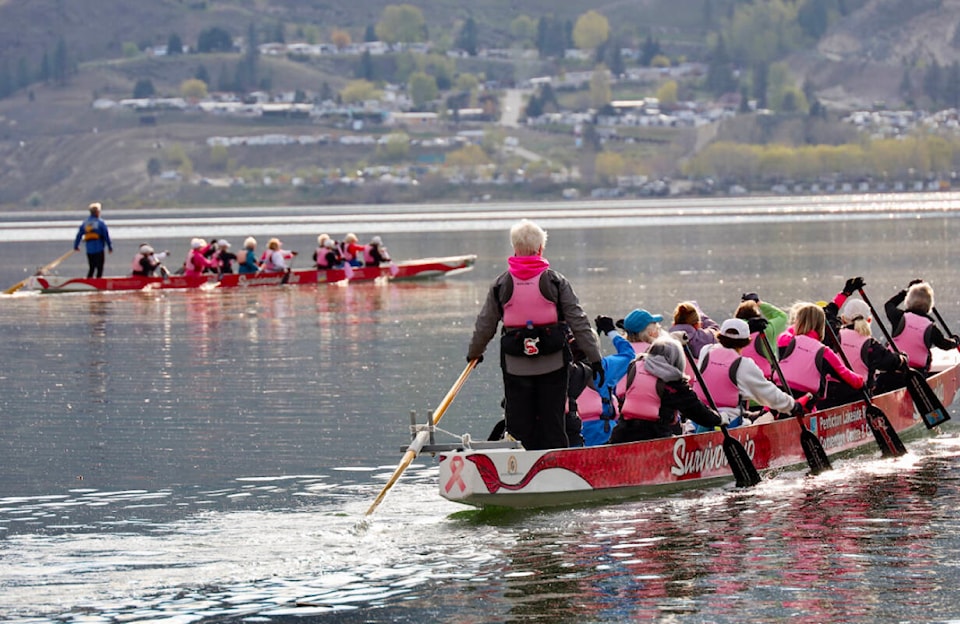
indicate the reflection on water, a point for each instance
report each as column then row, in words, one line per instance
column 208, row 456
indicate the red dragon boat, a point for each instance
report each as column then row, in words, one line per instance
column 494, row 474
column 423, row 268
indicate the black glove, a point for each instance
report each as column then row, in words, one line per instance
column 478, row 358
column 853, row 284
column 604, row 324
column 757, row 324
column 750, row 297
column 914, row 281
column 598, row 375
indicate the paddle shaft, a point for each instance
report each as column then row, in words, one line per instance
column 887, row 437
column 812, row 447
column 423, row 436
column 943, row 323
column 40, row 271
column 931, row 409
column 742, row 466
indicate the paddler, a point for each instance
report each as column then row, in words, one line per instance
column 532, row 301
column 94, row 234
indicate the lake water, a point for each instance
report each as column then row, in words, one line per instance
column 209, row 456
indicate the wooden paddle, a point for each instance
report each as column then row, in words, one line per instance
column 812, row 448
column 40, row 271
column 742, row 466
column 423, row 436
column 925, row 400
column 887, row 437
column 943, row 323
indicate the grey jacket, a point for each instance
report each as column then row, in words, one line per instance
column 554, row 287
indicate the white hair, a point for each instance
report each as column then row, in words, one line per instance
column 527, row 238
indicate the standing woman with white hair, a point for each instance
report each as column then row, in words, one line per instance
column 534, row 302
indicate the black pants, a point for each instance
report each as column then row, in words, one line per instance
column 95, row 262
column 535, row 409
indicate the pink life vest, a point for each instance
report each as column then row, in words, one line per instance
column 322, row 258
column 528, row 305
column 803, row 365
column 195, row 264
column 914, row 340
column 589, row 404
column 135, row 266
column 719, row 370
column 641, row 400
column 754, row 351
column 854, row 346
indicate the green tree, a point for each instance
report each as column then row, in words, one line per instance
column 591, row 30
column 214, row 39
column 395, row 147
column 467, row 38
column 402, row 23
column 174, row 44
column 23, row 73
column 143, row 88
column 523, row 30
column 609, row 165
column 667, row 93
column 649, row 51
column 202, row 74
column 219, row 157
column 422, row 88
column 61, row 63
column 365, row 69
column 130, row 49
column 359, row 91
column 720, row 78
column 370, row 34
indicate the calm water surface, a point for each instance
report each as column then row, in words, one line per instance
column 208, row 456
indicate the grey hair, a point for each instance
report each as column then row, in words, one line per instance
column 919, row 298
column 670, row 350
column 527, row 238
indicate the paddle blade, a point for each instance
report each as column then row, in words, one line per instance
column 925, row 400
column 812, row 449
column 742, row 466
column 887, row 438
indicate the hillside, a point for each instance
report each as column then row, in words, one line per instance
column 58, row 152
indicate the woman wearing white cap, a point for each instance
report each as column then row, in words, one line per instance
column 146, row 262
column 197, row 261
column 732, row 378
column 275, row 257
column 247, row 258
column 223, row 257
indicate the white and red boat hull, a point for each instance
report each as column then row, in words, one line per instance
column 518, row 478
column 423, row 268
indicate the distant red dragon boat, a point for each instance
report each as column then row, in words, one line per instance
column 423, row 268
column 481, row 474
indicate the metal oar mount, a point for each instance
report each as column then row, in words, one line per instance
column 812, row 449
column 742, row 466
column 40, row 271
column 423, row 435
column 925, row 400
column 887, row 438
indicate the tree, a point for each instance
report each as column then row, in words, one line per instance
column 468, row 156
column 591, row 30
column 422, row 88
column 370, row 34
column 467, row 39
column 667, row 93
column 143, row 89
column 720, row 77
column 154, row 167
column 650, row 50
column 201, row 74
column 358, row 91
column 130, row 49
column 600, row 91
column 61, row 63
column 214, row 39
column 609, row 165
column 174, row 44
column 523, row 29
column 193, row 89
column 365, row 69
column 401, row 24
column 23, row 73
column 395, row 147
column 340, row 38
column 933, row 82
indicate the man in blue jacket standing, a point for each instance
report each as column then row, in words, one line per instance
column 94, row 232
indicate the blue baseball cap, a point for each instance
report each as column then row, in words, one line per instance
column 638, row 320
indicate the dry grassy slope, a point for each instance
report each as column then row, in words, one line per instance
column 862, row 59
